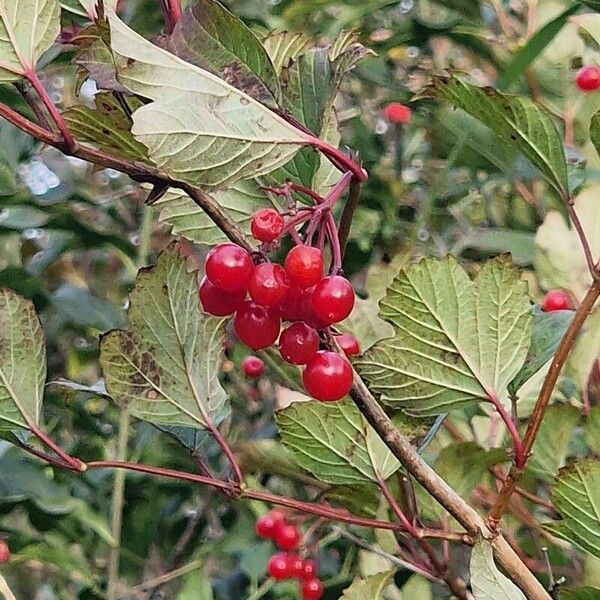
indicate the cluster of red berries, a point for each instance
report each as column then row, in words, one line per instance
column 556, row 300
column 588, row 78
column 287, row 564
column 4, row 552
column 296, row 292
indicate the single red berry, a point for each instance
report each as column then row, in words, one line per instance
column 256, row 326
column 328, row 376
column 395, row 112
column 309, row 569
column 229, row 267
column 267, row 525
column 297, row 565
column 588, row 78
column 266, row 225
column 4, row 552
column 312, row 589
column 298, row 343
column 333, row 299
column 287, row 537
column 253, row 367
column 218, row 302
column 280, row 566
column 348, row 343
column 555, row 300
column 269, row 284
column 304, row 266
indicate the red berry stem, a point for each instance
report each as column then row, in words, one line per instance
column 73, row 463
column 334, row 242
column 520, row 457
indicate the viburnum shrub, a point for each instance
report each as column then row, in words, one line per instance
column 349, row 383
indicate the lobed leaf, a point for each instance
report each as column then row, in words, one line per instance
column 27, row 29
column 487, row 582
column 198, row 128
column 575, row 496
column 335, row 443
column 166, row 365
column 284, row 47
column 456, row 341
column 517, row 121
column 22, row 362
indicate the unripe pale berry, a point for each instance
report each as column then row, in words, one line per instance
column 304, row 266
column 588, row 78
column 229, row 267
column 253, row 367
column 266, row 225
column 256, row 326
column 555, row 300
column 395, row 112
column 218, row 302
column 328, row 376
column 333, row 299
column 298, row 343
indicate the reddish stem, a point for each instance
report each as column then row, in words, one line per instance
column 339, row 159
column 520, row 458
column 32, row 77
column 334, row 242
column 216, row 434
column 73, row 463
column 171, row 12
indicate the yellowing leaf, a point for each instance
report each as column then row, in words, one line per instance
column 27, row 29
column 198, row 129
column 166, row 365
column 456, row 341
column 370, row 587
column 22, row 362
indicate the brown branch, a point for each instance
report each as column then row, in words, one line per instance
column 587, row 251
column 545, row 395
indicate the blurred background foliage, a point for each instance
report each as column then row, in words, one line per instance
column 72, row 239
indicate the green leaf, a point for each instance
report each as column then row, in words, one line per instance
column 548, row 330
column 595, row 131
column 240, row 202
column 593, row 4
column 487, row 581
column 198, row 129
column 494, row 241
column 27, row 29
column 591, row 429
column 582, row 593
column 106, row 127
column 284, row 47
column 166, row 365
column 334, row 442
column 552, row 442
column 22, row 362
column 575, row 496
column 518, row 121
column 469, row 8
column 535, row 45
column 585, row 352
column 456, row 341
column 86, row 7
column 371, row 587
column 196, row 586
column 210, row 37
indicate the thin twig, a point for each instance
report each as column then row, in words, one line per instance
column 348, row 214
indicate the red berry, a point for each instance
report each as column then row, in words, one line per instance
column 333, row 299
column 298, row 343
column 4, row 552
column 309, row 569
column 395, row 112
column 266, row 225
column 588, row 78
column 312, row 589
column 297, row 565
column 280, row 566
column 297, row 306
column 253, row 367
column 348, row 343
column 256, row 326
column 328, row 376
column 304, row 266
column 555, row 300
column 268, row 285
column 267, row 525
column 229, row 267
column 218, row 302
column 287, row 537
